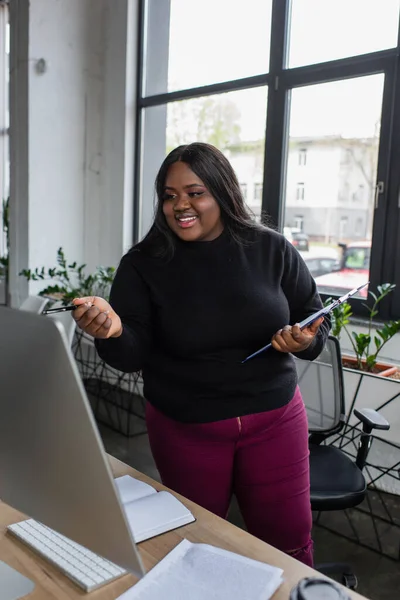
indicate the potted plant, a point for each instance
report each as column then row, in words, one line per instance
column 70, row 280
column 367, row 346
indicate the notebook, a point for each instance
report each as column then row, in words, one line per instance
column 150, row 513
column 203, row 572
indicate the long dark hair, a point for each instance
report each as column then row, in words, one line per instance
column 217, row 174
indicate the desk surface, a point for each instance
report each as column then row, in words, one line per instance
column 208, row 528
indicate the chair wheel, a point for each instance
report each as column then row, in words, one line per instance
column 349, row 580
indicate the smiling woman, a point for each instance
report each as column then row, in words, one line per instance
column 204, row 289
column 189, row 208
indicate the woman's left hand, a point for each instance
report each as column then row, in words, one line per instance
column 294, row 339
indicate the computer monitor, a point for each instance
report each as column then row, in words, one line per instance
column 53, row 466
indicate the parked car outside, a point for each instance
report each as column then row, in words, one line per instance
column 320, row 265
column 298, row 238
column 353, row 271
column 300, row 241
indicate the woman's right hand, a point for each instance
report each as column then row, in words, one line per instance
column 96, row 317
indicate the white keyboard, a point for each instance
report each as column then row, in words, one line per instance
column 84, row 567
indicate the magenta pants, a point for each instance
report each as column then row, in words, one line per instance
column 263, row 459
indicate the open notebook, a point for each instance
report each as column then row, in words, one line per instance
column 203, row 572
column 149, row 512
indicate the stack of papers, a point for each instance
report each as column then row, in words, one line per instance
column 203, row 572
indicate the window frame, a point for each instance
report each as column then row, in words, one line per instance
column 280, row 80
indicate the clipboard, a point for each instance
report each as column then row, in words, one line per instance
column 320, row 313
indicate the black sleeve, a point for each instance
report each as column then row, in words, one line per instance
column 130, row 299
column 301, row 292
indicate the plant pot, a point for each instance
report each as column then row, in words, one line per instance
column 381, row 369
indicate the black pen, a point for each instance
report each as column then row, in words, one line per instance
column 59, row 309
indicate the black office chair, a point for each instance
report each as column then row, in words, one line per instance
column 337, row 483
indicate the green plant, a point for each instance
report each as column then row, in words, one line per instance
column 6, row 228
column 361, row 342
column 340, row 317
column 72, row 282
column 366, row 354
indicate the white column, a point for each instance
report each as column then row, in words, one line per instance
column 111, row 113
column 19, row 167
column 73, row 78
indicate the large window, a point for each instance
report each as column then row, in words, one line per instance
column 320, row 157
column 205, row 42
column 341, row 171
column 323, row 31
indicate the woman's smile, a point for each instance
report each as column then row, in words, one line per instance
column 186, row 220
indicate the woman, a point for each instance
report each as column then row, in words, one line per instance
column 205, row 288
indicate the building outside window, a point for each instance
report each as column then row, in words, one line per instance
column 360, row 192
column 299, row 222
column 302, row 157
column 343, row 227
column 258, row 187
column 359, row 227
column 300, row 191
column 243, row 187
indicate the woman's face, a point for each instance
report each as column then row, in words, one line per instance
column 189, row 208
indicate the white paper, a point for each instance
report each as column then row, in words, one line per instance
column 203, row 572
column 156, row 514
column 130, row 489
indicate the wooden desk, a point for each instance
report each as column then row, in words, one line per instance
column 208, row 528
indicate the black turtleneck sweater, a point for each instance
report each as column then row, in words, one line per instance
column 189, row 322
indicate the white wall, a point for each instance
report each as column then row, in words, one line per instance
column 110, row 107
column 56, row 129
column 72, row 132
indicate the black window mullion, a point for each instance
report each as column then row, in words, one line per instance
column 379, row 271
column 343, row 68
column 275, row 138
column 391, row 262
column 391, row 247
column 205, row 90
column 138, row 120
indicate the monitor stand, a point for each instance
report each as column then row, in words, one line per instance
column 13, row 585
